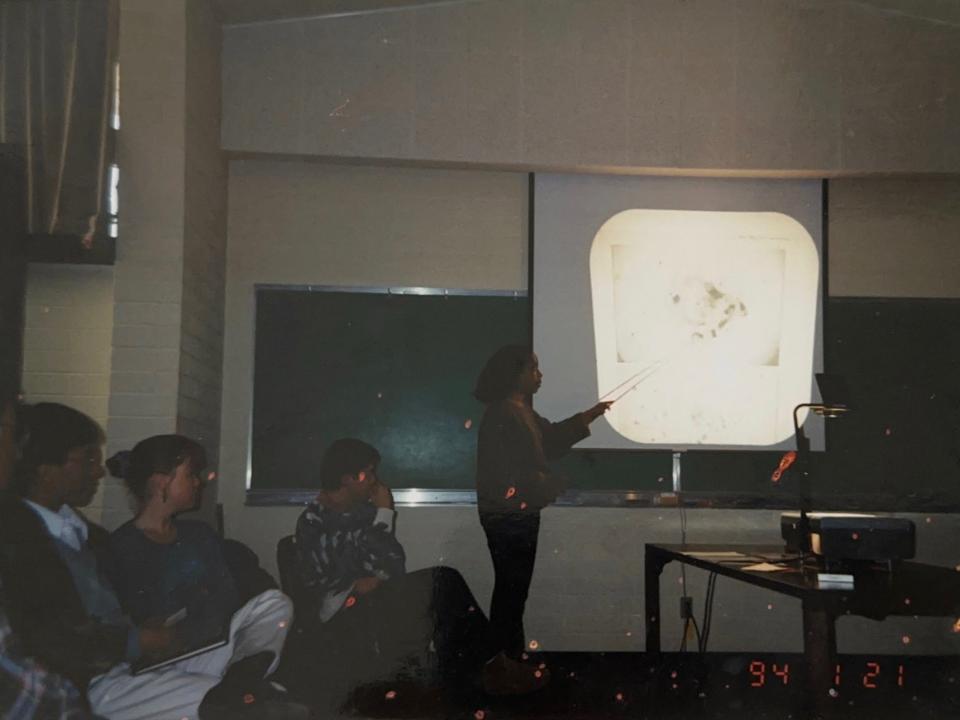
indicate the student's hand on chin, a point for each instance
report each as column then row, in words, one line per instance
column 381, row 496
column 366, row 584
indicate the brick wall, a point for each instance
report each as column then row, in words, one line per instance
column 167, row 333
column 149, row 267
column 67, row 341
column 204, row 240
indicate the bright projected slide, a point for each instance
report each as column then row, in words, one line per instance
column 714, row 313
column 702, row 324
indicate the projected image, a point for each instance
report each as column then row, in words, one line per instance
column 684, row 298
column 704, row 324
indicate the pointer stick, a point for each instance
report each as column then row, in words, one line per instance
column 628, row 380
column 636, row 384
column 633, row 380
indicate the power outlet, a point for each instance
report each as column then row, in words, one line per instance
column 686, row 607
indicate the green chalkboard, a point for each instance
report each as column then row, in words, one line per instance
column 396, row 370
column 901, row 443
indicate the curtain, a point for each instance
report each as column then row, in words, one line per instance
column 13, row 271
column 56, row 94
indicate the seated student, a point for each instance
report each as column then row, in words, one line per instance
column 174, row 570
column 27, row 690
column 55, row 563
column 354, row 567
column 60, row 600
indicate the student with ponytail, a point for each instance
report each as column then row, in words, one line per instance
column 172, row 572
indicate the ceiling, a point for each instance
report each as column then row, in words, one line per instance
column 236, row 12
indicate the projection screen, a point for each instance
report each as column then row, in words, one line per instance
column 695, row 303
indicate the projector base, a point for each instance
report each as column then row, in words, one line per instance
column 848, row 537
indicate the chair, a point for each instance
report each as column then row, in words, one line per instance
column 287, row 562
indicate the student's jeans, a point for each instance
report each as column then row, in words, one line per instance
column 512, row 539
column 176, row 691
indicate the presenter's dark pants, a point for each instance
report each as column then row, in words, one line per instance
column 512, row 539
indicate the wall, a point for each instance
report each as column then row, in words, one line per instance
column 808, row 85
column 298, row 222
column 307, row 223
column 149, row 265
column 67, row 341
column 167, row 343
column 204, row 235
column 895, row 237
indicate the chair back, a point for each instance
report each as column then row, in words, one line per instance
column 287, row 562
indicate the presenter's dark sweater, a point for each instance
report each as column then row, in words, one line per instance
column 514, row 447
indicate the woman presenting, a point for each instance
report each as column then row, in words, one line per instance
column 514, row 483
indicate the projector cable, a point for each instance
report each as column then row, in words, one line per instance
column 708, row 612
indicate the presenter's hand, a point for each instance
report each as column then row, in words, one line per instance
column 596, row 411
column 366, row 584
column 381, row 496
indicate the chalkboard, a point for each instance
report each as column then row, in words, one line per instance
column 901, row 443
column 397, row 370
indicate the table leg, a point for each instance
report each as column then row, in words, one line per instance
column 820, row 655
column 652, row 568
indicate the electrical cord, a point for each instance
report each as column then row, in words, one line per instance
column 696, row 629
column 683, row 577
column 708, row 612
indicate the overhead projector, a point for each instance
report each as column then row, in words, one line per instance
column 851, row 536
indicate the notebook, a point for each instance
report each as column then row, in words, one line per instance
column 213, row 640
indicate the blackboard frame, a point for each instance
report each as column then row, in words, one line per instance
column 403, row 495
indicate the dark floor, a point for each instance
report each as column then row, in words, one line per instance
column 718, row 685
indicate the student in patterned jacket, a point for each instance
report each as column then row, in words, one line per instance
column 352, row 567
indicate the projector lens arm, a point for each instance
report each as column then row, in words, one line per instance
column 803, row 442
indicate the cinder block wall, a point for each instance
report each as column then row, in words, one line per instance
column 204, row 240
column 67, row 341
column 169, row 273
